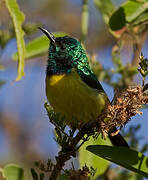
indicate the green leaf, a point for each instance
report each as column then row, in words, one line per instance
column 106, row 7
column 128, row 158
column 13, row 172
column 1, row 67
column 34, row 174
column 63, row 177
column 142, row 18
column 127, row 13
column 42, row 175
column 90, row 160
column 18, row 18
column 2, row 83
column 38, row 46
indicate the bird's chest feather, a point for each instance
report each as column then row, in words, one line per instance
column 69, row 95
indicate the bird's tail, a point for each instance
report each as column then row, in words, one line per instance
column 118, row 140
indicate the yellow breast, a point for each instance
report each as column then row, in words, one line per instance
column 71, row 97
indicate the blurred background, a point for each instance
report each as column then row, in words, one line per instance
column 25, row 132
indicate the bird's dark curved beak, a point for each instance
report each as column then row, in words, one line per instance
column 48, row 34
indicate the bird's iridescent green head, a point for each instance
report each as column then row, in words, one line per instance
column 65, row 53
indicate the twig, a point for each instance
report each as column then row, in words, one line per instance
column 84, row 21
column 71, row 148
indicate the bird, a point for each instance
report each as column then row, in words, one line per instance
column 72, row 88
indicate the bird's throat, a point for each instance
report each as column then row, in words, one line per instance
column 54, row 79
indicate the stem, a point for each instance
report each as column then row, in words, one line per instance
column 138, row 46
column 84, row 21
column 71, row 148
column 60, row 162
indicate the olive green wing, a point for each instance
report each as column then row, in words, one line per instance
column 91, row 80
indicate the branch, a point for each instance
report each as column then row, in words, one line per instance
column 70, row 149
